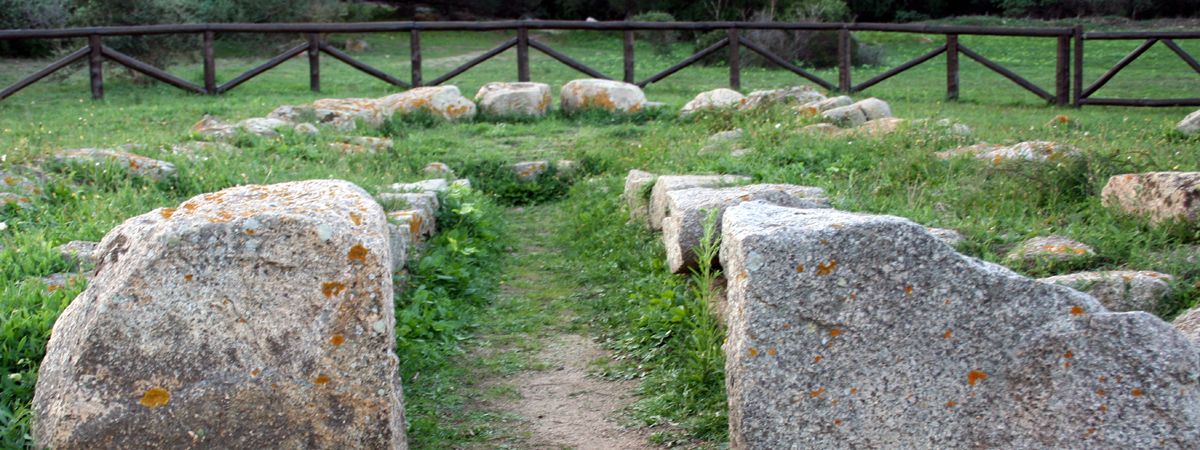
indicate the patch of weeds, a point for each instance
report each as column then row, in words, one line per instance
column 400, row 123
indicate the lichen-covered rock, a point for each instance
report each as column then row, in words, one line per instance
column 1159, row 196
column 1049, row 249
column 722, row 140
column 201, row 149
column 1190, row 125
column 973, row 150
column 859, row 331
column 135, row 164
column 880, row 127
column 845, row 116
column 78, row 254
column 60, row 281
column 822, row 129
column 438, row 169
column 950, row 237
column 716, row 99
column 363, row 144
column 263, row 126
column 214, row 128
column 514, row 99
column 634, row 194
column 306, row 129
column 442, row 101
column 1189, row 324
column 874, row 108
column 797, row 95
column 830, row 103
column 432, row 185
column 425, row 203
column 343, row 114
column 530, row 170
column 683, row 228
column 413, row 226
column 1119, row 290
column 668, row 183
column 17, row 200
column 608, row 95
column 17, row 184
column 1038, row 151
column 258, row 316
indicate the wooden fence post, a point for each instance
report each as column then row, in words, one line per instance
column 1078, row 66
column 844, row 60
column 414, row 45
column 735, row 60
column 522, row 54
column 95, row 66
column 314, row 62
column 1062, row 73
column 628, row 56
column 210, row 65
column 952, row 67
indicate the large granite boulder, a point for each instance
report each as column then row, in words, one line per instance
column 442, row 101
column 1119, row 290
column 514, row 99
column 133, row 163
column 634, row 194
column 683, row 228
column 714, row 100
column 668, row 183
column 795, row 95
column 861, row 331
column 608, row 95
column 1190, row 125
column 1189, row 324
column 258, row 316
column 1159, row 196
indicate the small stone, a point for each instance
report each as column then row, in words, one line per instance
column 796, row 95
column 566, row 167
column 722, row 140
column 846, row 116
column 824, row 129
column 950, row 237
column 436, row 185
column 529, row 170
column 880, row 127
column 306, row 129
column 1050, row 249
column 635, row 194
column 197, row 148
column 60, row 281
column 716, row 99
column 438, row 169
column 263, row 126
column 1189, row 324
column 667, row 183
column 1190, row 125
column 831, row 103
column 132, row 163
column 214, row 128
column 609, row 95
column 971, row 150
column 1120, row 290
column 78, row 254
column 363, row 144
column 1158, row 196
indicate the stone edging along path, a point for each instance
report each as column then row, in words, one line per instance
column 1047, row 358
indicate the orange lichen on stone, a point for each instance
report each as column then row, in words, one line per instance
column 976, row 376
column 414, row 225
column 332, row 289
column 771, row 351
column 951, row 404
column 752, row 351
column 1100, row 392
column 155, row 397
column 250, row 231
column 1102, row 408
column 190, row 206
column 254, row 373
column 1076, row 310
column 948, row 334
column 167, row 213
column 1069, row 354
column 826, row 268
column 1136, row 392
column 834, row 332
column 187, row 277
column 816, row 393
column 800, row 268
column 908, row 289
column 837, row 422
column 356, row 218
column 337, row 340
column 321, row 379
column 358, row 253
column 817, row 359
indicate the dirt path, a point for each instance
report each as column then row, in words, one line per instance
column 555, row 403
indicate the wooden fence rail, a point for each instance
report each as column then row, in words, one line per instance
column 95, row 52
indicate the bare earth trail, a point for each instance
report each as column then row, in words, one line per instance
column 553, row 401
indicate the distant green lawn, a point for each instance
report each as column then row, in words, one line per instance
column 994, row 207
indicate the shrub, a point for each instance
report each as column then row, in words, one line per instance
column 660, row 41
column 810, row 48
column 31, row 14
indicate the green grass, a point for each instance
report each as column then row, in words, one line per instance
column 611, row 270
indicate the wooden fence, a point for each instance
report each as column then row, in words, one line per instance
column 95, row 52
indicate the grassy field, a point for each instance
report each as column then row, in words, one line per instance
column 656, row 321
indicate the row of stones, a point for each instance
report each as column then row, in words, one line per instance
column 255, row 316
column 864, row 330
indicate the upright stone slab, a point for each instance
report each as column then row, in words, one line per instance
column 608, row 95
column 133, row 163
column 683, row 228
column 254, row 317
column 1159, row 196
column 668, row 183
column 635, row 183
column 514, row 99
column 860, row 331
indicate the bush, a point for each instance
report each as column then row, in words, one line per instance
column 660, row 41
column 808, row 48
column 31, row 14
